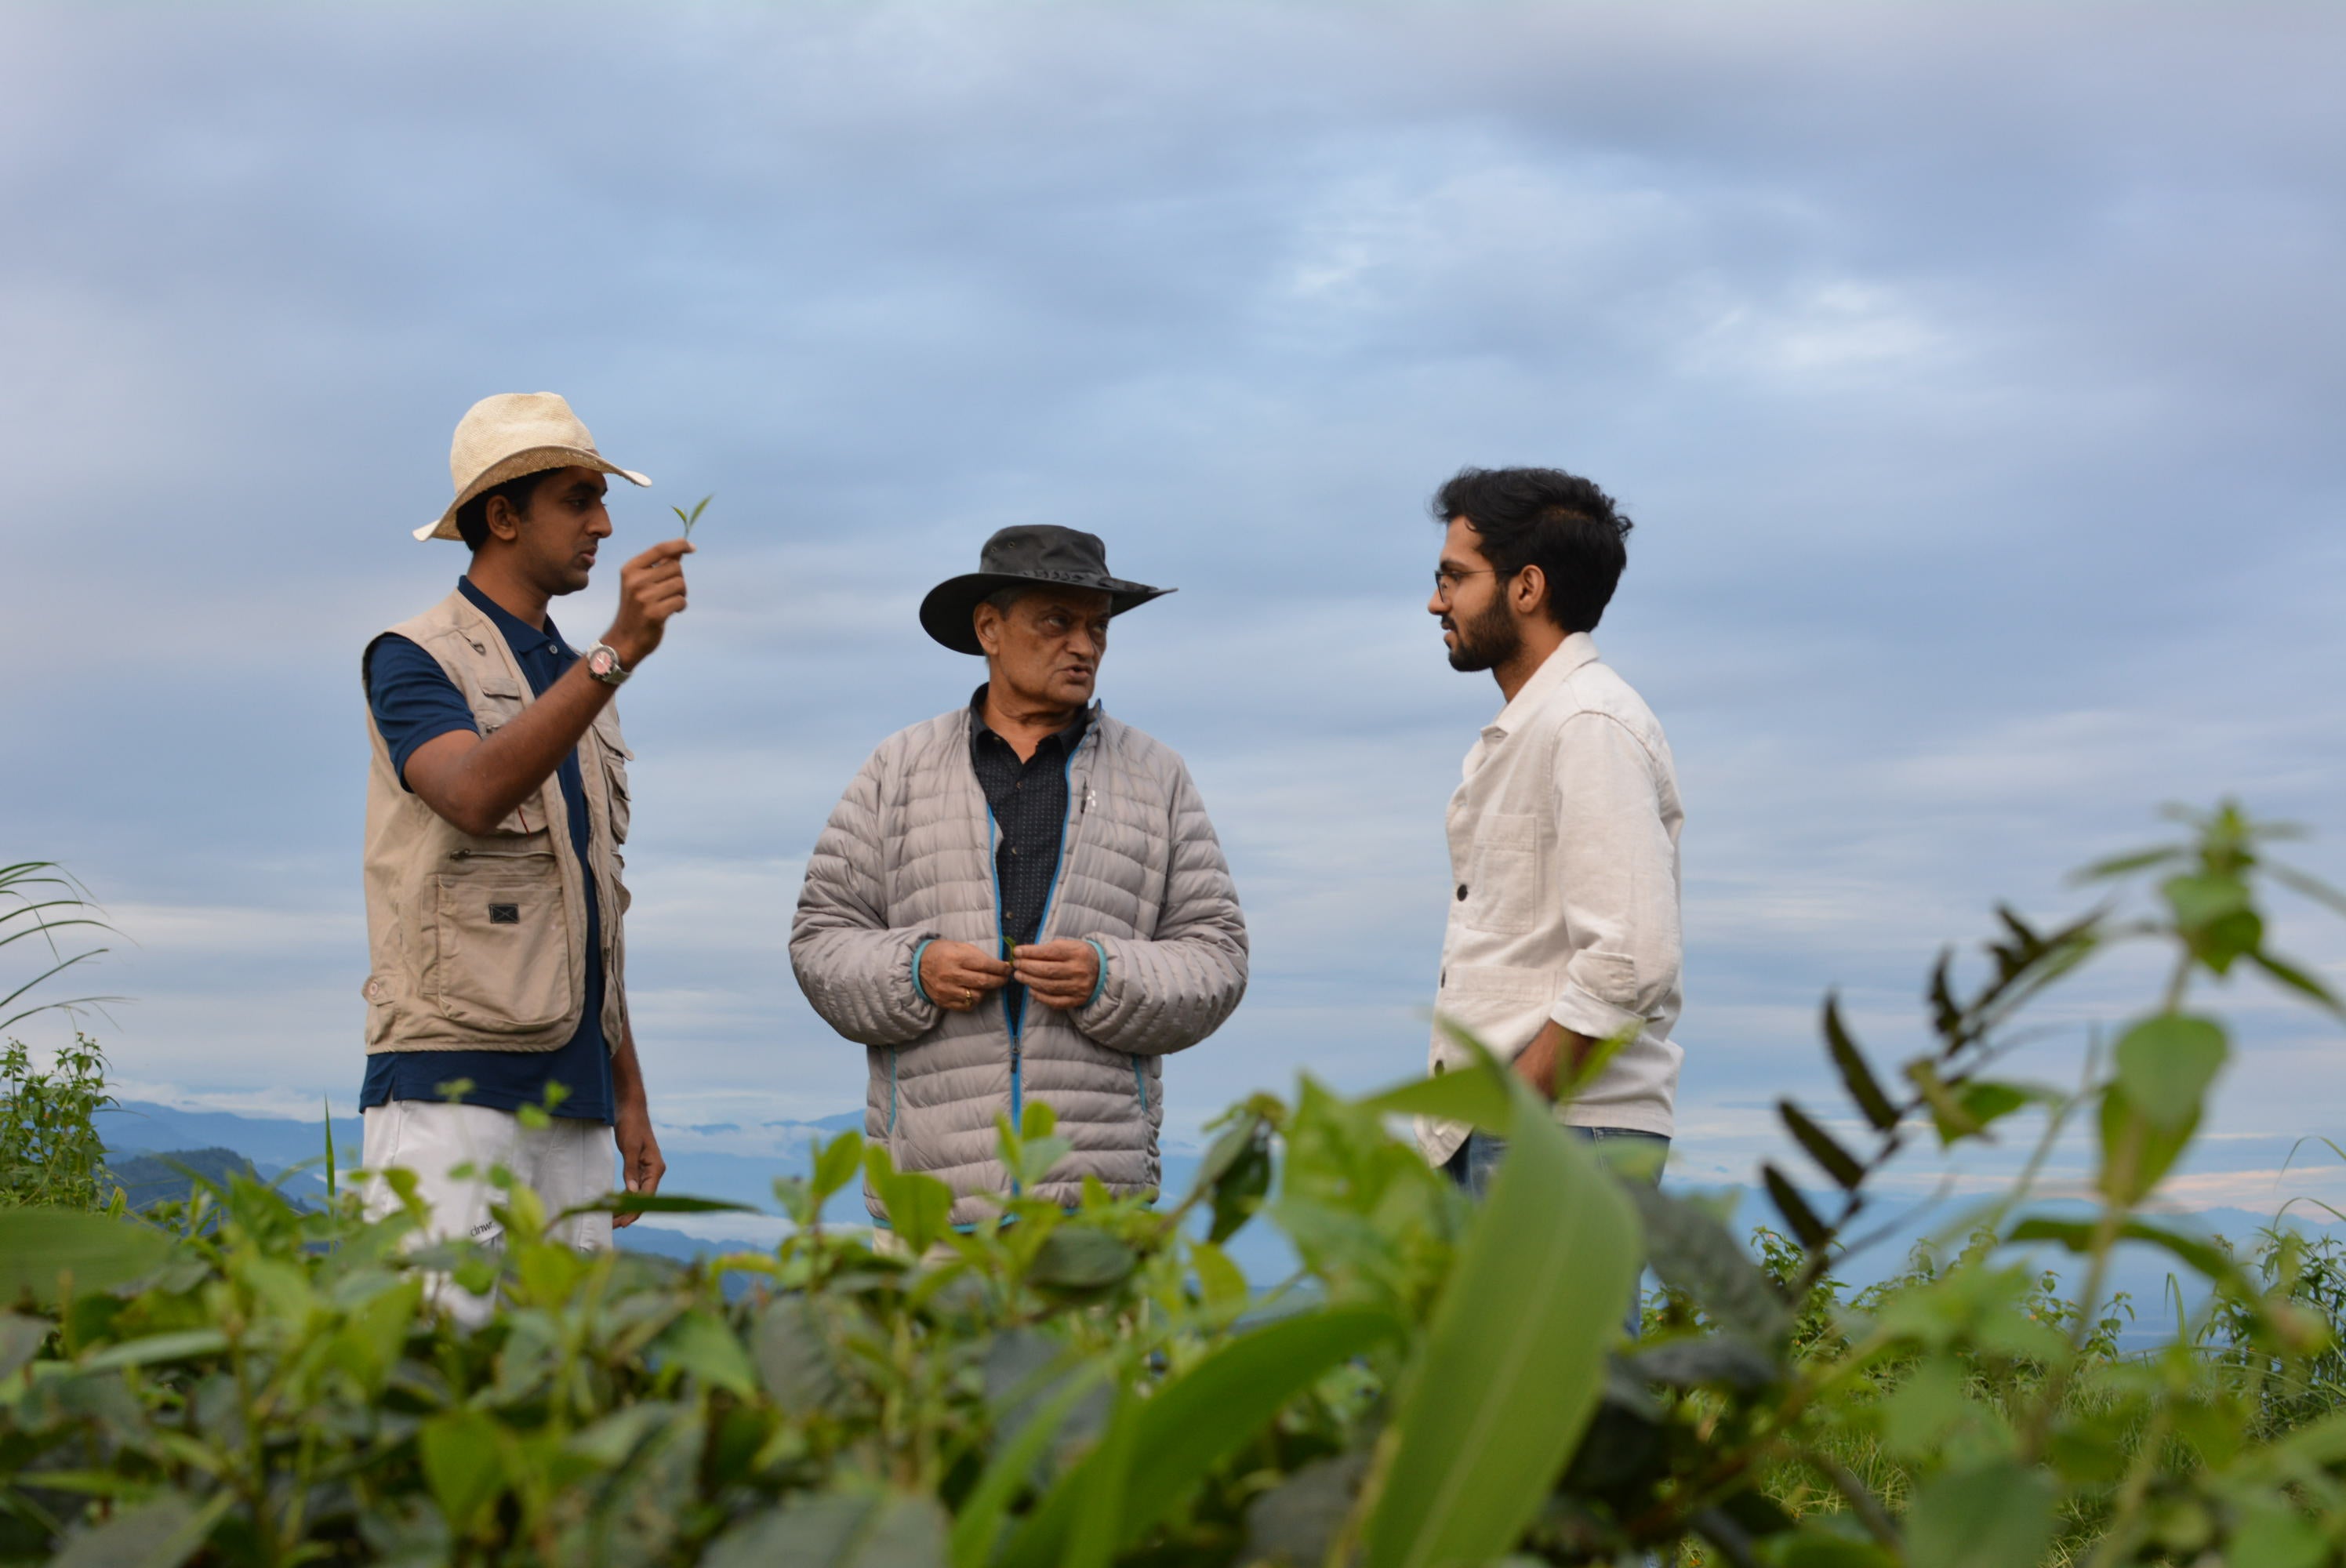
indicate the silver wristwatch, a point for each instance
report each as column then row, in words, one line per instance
column 603, row 664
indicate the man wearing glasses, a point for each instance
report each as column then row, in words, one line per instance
column 1563, row 834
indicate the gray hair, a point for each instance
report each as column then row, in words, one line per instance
column 1007, row 600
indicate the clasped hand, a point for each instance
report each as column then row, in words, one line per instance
column 957, row 976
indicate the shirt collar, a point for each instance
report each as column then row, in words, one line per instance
column 1066, row 738
column 1569, row 655
column 521, row 637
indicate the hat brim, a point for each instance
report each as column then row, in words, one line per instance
column 537, row 460
column 945, row 614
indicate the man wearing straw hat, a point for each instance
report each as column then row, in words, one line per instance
column 1022, row 898
column 496, row 807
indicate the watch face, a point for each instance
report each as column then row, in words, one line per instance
column 601, row 661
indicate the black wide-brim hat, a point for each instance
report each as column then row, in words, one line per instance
column 1037, row 556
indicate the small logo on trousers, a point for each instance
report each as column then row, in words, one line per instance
column 505, row 914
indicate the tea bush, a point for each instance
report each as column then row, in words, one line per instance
column 243, row 1381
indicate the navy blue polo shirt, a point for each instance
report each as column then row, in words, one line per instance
column 413, row 701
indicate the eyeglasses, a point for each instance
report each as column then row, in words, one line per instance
column 1445, row 581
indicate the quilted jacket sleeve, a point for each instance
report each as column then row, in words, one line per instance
column 1168, row 993
column 854, row 968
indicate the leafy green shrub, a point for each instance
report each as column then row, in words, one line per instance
column 50, row 1152
column 1441, row 1383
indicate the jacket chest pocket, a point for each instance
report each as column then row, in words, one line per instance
column 501, row 942
column 1501, row 892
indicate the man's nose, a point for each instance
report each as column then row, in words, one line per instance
column 598, row 526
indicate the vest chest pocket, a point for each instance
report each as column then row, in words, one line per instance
column 498, row 704
column 501, row 942
column 614, row 784
column 614, row 747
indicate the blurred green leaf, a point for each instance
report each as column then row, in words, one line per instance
column 655, row 1203
column 1081, row 1258
column 162, row 1532
column 1201, row 1417
column 1855, row 1076
column 837, row 1529
column 1997, row 1516
column 1221, row 1282
column 1514, row 1359
column 796, row 1360
column 2206, row 1258
column 2272, row 1534
column 1835, row 1161
column 38, row 1245
column 156, row 1348
column 1722, row 1361
column 1692, row 1251
column 1478, row 1095
column 2296, row 980
column 1807, row 1229
column 1929, row 1403
column 1241, row 1184
column 837, row 1164
column 463, row 1463
column 704, row 1345
column 21, row 1340
column 918, row 1205
column 1199, row 1420
column 1826, row 1541
column 2167, row 1062
column 2137, row 1152
column 1038, row 1421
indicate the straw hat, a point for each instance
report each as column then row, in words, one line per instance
column 508, row 435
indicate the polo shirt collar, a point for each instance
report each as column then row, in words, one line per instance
column 521, row 637
column 1573, row 652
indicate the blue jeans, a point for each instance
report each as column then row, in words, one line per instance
column 1478, row 1158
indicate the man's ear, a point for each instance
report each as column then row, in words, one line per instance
column 503, row 521
column 1527, row 594
column 986, row 620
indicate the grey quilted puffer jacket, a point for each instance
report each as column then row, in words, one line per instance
column 908, row 858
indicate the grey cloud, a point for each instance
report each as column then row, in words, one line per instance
column 1969, row 375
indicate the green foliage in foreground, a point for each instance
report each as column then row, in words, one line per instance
column 1442, row 1384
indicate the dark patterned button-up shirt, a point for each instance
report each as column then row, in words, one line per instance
column 1029, row 802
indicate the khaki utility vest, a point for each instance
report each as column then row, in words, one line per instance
column 479, row 943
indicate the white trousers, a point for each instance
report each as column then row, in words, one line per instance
column 569, row 1162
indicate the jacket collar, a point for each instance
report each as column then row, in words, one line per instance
column 1574, row 651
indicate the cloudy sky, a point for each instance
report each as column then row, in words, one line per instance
column 1974, row 377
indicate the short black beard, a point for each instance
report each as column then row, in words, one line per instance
column 1488, row 640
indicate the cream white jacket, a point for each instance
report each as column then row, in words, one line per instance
column 1564, row 858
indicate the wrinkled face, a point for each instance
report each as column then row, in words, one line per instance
column 556, row 538
column 1045, row 649
column 1470, row 596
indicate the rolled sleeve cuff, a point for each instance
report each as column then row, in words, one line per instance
column 1585, row 1014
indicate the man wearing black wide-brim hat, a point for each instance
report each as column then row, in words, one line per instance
column 1022, row 898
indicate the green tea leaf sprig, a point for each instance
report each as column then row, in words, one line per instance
column 690, row 518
